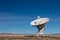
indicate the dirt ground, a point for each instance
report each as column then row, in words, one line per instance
column 29, row 37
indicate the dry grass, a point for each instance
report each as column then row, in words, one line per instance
column 29, row 37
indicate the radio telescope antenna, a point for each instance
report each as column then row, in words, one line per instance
column 38, row 17
column 40, row 24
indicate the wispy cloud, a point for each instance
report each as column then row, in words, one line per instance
column 8, row 19
column 55, row 20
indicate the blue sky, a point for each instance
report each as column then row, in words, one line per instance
column 16, row 15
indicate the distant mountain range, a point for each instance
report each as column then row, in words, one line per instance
column 23, row 34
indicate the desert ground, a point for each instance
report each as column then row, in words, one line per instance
column 28, row 37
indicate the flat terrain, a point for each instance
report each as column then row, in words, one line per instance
column 28, row 37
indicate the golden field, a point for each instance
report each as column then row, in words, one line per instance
column 28, row 37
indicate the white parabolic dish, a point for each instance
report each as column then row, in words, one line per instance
column 39, row 21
